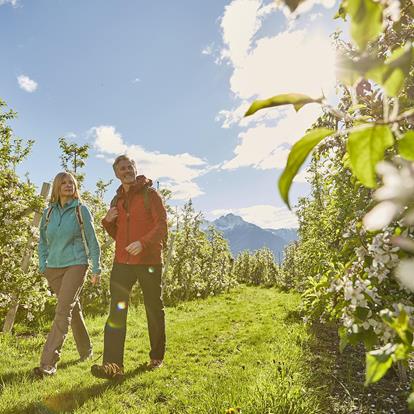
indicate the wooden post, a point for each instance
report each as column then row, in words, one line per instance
column 11, row 314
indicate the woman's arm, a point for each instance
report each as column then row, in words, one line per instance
column 93, row 245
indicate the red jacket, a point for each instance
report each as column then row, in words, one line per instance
column 140, row 217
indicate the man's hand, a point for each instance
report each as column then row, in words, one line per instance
column 134, row 248
column 111, row 215
column 95, row 279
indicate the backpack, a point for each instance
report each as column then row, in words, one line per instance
column 79, row 217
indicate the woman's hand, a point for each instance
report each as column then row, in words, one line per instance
column 134, row 248
column 95, row 279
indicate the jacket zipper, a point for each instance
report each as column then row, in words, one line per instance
column 127, row 214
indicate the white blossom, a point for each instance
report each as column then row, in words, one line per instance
column 397, row 191
column 405, row 273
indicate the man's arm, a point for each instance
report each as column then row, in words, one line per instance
column 109, row 222
column 159, row 215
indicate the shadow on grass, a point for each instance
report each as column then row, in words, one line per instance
column 13, row 376
column 340, row 378
column 293, row 316
column 66, row 402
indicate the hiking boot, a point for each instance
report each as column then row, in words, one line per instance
column 45, row 371
column 86, row 356
column 155, row 363
column 109, row 370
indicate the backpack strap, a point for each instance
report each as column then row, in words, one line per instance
column 147, row 199
column 79, row 217
column 49, row 212
column 114, row 201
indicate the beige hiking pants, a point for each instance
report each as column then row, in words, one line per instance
column 67, row 284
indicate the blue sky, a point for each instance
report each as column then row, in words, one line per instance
column 167, row 82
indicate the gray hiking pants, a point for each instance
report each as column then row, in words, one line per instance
column 66, row 283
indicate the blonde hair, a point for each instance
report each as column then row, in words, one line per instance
column 57, row 182
column 123, row 158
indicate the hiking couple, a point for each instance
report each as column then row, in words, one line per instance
column 137, row 221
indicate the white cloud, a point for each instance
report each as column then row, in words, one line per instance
column 208, row 50
column 263, row 215
column 236, row 116
column 289, row 62
column 302, row 177
column 265, row 147
column 14, row 3
column 293, row 61
column 183, row 190
column 306, row 6
column 27, row 84
column 107, row 140
column 70, row 135
column 176, row 172
column 315, row 16
column 239, row 24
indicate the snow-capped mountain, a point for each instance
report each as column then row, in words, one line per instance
column 242, row 235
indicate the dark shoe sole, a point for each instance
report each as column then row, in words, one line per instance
column 97, row 373
column 155, row 366
column 39, row 374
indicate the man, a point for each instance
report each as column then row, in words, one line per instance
column 137, row 220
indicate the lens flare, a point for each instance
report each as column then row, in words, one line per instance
column 121, row 305
column 113, row 325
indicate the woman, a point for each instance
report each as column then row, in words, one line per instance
column 67, row 238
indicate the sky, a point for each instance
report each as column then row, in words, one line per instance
column 168, row 83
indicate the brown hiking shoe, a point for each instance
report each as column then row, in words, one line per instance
column 44, row 371
column 155, row 363
column 109, row 370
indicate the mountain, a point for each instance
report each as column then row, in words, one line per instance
column 242, row 235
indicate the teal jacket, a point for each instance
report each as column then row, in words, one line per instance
column 61, row 243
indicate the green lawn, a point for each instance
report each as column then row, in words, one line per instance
column 246, row 349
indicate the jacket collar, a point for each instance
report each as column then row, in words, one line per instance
column 71, row 204
column 141, row 182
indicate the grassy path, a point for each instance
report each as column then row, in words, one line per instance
column 244, row 349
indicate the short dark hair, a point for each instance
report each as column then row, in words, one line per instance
column 120, row 158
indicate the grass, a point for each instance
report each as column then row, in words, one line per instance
column 246, row 349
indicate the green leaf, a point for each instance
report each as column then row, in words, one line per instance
column 410, row 401
column 361, row 313
column 343, row 338
column 393, row 72
column 378, row 363
column 370, row 338
column 366, row 146
column 401, row 325
column 349, row 70
column 296, row 99
column 366, row 20
column 406, row 146
column 297, row 156
column 402, row 352
column 341, row 13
